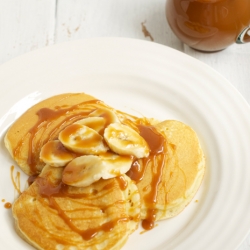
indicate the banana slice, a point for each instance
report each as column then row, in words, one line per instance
column 82, row 139
column 55, row 154
column 107, row 114
column 99, row 119
column 87, row 169
column 96, row 123
column 124, row 140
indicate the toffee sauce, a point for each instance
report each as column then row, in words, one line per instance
column 7, row 205
column 123, row 184
column 58, row 150
column 15, row 180
column 48, row 190
column 157, row 145
column 208, row 25
column 16, row 184
column 46, row 117
column 155, row 140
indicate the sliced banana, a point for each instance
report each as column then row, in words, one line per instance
column 124, row 140
column 55, row 154
column 87, row 169
column 96, row 123
column 99, row 119
column 82, row 139
column 107, row 114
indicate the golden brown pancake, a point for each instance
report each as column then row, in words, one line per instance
column 51, row 215
column 43, row 122
column 167, row 179
column 172, row 177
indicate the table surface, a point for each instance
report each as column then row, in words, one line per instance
column 26, row 25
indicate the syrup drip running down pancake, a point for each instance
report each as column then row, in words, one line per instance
column 43, row 122
column 165, row 179
column 100, row 216
column 168, row 180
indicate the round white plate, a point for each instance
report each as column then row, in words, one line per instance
column 156, row 81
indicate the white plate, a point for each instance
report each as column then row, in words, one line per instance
column 150, row 79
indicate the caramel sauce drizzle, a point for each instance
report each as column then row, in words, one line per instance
column 31, row 179
column 15, row 180
column 155, row 140
column 122, row 182
column 58, row 150
column 16, row 183
column 137, row 170
column 50, row 191
column 157, row 156
column 46, row 116
column 106, row 227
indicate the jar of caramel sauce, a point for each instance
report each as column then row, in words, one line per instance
column 209, row 25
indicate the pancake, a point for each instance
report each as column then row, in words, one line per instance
column 189, row 162
column 43, row 122
column 53, row 216
column 172, row 177
column 165, row 181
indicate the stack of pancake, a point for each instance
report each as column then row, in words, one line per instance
column 55, row 214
